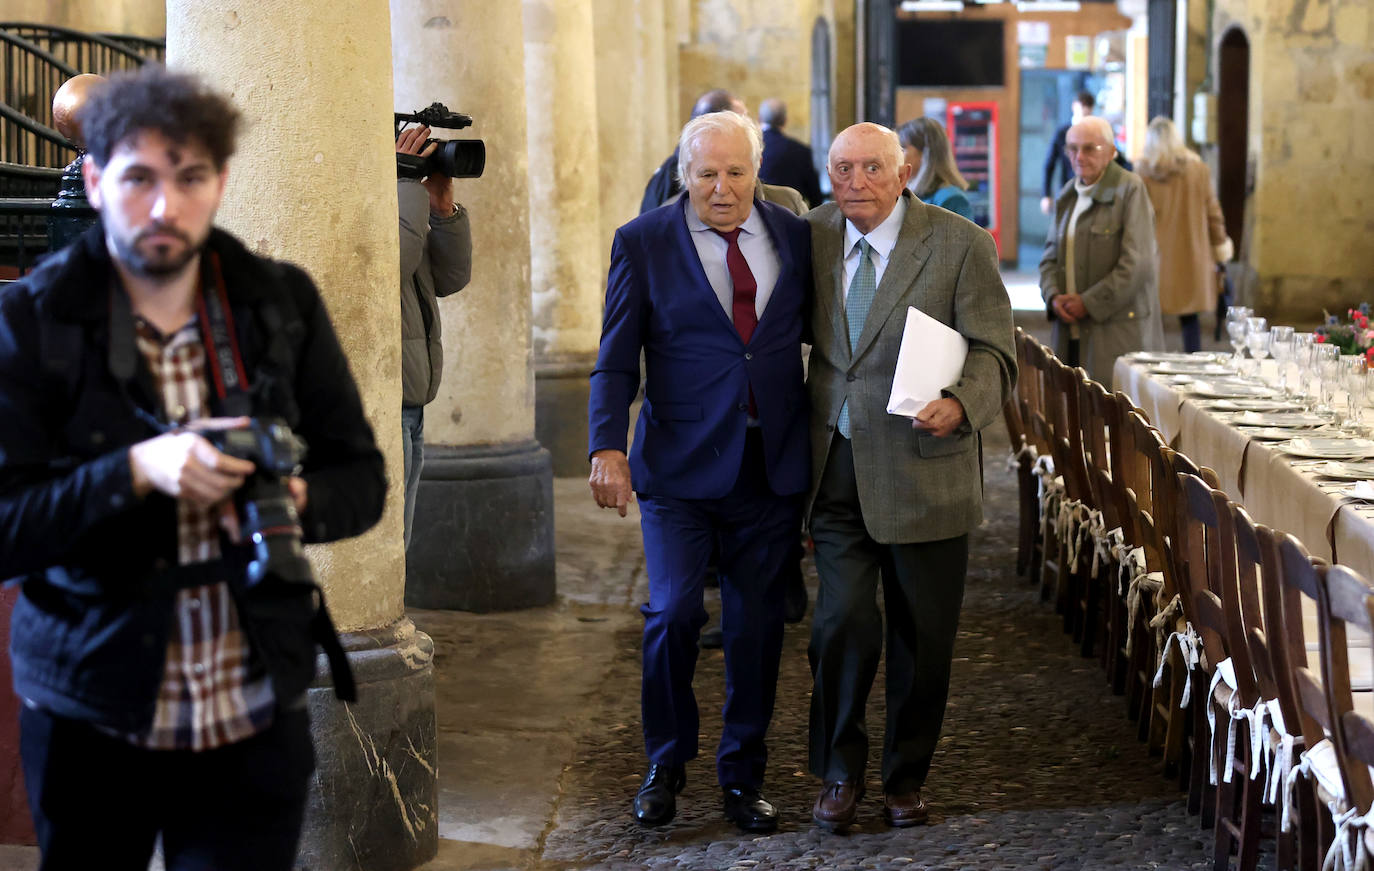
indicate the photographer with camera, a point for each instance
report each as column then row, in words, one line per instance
column 154, row 499
column 436, row 260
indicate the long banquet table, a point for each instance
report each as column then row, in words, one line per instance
column 1278, row 490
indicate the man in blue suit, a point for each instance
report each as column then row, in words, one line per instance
column 711, row 289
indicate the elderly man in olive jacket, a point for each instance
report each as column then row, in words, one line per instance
column 1099, row 273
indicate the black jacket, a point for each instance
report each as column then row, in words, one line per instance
column 788, row 162
column 97, row 564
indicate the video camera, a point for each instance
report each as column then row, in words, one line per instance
column 267, row 513
column 455, row 158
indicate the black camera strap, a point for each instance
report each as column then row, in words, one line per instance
column 230, row 380
column 222, row 356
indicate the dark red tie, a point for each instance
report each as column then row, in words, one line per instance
column 745, row 289
column 744, row 284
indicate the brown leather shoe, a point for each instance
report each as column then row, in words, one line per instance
column 905, row 809
column 838, row 805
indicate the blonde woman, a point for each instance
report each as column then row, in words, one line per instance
column 934, row 177
column 1188, row 227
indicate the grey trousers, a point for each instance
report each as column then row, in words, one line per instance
column 923, row 590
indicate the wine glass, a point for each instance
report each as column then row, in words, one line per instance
column 1302, row 361
column 1236, row 328
column 1257, row 340
column 1328, row 370
column 1352, row 379
column 1281, row 349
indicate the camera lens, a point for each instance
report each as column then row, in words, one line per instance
column 459, row 158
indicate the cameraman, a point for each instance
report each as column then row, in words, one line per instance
column 436, row 260
column 164, row 690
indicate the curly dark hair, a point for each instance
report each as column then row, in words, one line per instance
column 177, row 105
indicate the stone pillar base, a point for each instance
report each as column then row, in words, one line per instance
column 374, row 803
column 561, row 389
column 483, row 534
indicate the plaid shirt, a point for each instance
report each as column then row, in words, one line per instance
column 214, row 691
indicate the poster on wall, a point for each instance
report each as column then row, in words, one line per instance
column 1033, row 43
column 1078, row 52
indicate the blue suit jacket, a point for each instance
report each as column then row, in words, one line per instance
column 689, row 439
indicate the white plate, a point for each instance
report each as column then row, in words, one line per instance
column 1344, row 471
column 1290, row 419
column 1253, row 405
column 1328, row 448
column 1173, row 356
column 1199, row 367
column 1228, row 390
column 1269, row 434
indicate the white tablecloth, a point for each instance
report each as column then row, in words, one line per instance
column 1274, row 491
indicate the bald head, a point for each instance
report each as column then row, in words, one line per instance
column 715, row 100
column 867, row 173
column 1090, row 146
column 773, row 112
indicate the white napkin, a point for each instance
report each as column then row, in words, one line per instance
column 1362, row 490
column 931, row 358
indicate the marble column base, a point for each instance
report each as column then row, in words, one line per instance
column 374, row 802
column 561, row 388
column 483, row 534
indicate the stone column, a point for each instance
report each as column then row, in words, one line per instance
column 624, row 165
column 565, row 227
column 483, row 534
column 659, row 110
column 314, row 182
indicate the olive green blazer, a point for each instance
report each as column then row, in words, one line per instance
column 913, row 487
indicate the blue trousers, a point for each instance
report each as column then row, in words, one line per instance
column 757, row 531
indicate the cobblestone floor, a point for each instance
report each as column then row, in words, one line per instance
column 1038, row 767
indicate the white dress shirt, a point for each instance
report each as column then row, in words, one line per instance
column 756, row 246
column 881, row 242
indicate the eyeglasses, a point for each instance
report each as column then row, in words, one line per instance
column 1087, row 148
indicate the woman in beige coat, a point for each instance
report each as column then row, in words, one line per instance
column 1188, row 227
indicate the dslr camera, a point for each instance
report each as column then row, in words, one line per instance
column 267, row 514
column 455, row 158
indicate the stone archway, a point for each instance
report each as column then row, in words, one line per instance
column 1233, row 126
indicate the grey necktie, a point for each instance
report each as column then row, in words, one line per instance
column 856, row 306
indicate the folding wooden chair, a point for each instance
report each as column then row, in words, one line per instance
column 1224, row 614
column 1024, row 454
column 1069, row 461
column 1301, row 578
column 1344, row 603
column 1274, row 644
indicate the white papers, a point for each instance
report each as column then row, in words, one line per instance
column 931, row 358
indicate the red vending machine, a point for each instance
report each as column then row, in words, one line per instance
column 973, row 135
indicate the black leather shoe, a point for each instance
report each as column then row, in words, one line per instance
column 711, row 639
column 749, row 810
column 656, row 801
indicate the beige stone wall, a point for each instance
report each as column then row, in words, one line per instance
column 757, row 49
column 134, row 17
column 1311, row 121
column 313, row 182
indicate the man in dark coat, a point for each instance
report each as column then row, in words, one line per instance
column 163, row 660
column 786, row 161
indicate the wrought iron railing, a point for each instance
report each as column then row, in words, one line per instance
column 152, row 49
column 31, row 76
column 86, row 52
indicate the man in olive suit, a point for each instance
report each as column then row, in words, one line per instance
column 892, row 498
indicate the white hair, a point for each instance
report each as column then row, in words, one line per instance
column 1100, row 126
column 891, row 142
column 712, row 124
